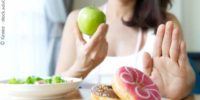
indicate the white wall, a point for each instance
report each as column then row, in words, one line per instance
column 185, row 10
column 191, row 24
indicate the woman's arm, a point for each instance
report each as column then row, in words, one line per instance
column 68, row 47
column 78, row 57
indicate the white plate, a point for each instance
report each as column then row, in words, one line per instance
column 42, row 91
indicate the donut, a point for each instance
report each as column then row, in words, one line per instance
column 103, row 92
column 131, row 84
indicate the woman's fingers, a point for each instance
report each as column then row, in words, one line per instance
column 78, row 34
column 102, row 50
column 167, row 39
column 158, row 42
column 97, row 37
column 99, row 52
column 147, row 63
column 100, row 33
column 97, row 49
column 183, row 54
column 175, row 45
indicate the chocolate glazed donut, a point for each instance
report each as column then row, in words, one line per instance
column 103, row 92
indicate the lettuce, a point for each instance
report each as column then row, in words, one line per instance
column 33, row 80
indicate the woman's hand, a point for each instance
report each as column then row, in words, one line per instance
column 169, row 67
column 90, row 54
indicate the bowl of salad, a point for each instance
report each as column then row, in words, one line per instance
column 39, row 87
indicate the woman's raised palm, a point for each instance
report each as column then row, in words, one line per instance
column 169, row 67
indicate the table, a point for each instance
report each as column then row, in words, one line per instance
column 84, row 94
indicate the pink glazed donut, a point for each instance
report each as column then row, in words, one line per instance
column 131, row 84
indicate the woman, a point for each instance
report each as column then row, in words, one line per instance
column 141, row 34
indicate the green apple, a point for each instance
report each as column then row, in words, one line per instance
column 89, row 19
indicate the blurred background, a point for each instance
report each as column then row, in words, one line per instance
column 34, row 29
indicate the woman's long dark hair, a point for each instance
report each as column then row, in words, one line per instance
column 149, row 13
